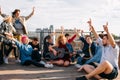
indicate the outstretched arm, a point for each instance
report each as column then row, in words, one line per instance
column 79, row 33
column 110, row 37
column 92, row 29
column 73, row 37
column 11, row 37
column 31, row 14
column 3, row 15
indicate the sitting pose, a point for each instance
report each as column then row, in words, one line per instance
column 36, row 55
column 108, row 67
column 26, row 51
column 61, row 50
column 62, row 43
column 48, row 47
column 7, row 28
column 88, row 50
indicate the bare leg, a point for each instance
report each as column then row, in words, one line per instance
column 66, row 63
column 57, row 62
column 89, row 69
column 105, row 67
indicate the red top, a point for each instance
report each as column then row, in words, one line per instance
column 63, row 46
column 72, row 38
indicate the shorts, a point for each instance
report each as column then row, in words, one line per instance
column 111, row 75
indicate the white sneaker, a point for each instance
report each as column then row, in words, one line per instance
column 18, row 61
column 6, row 60
column 51, row 65
column 42, row 62
column 77, row 65
column 48, row 65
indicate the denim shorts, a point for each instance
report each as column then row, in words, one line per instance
column 111, row 75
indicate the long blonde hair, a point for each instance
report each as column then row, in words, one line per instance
column 60, row 37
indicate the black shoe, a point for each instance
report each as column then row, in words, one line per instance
column 81, row 78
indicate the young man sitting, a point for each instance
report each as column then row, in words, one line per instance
column 108, row 67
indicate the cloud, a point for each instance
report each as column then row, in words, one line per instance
column 69, row 13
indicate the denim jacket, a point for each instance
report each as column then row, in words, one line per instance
column 85, row 48
column 97, row 56
column 25, row 51
column 69, row 47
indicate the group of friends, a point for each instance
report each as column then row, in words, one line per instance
column 99, row 57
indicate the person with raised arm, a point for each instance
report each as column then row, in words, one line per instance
column 70, row 39
column 26, row 51
column 18, row 22
column 108, row 67
column 89, row 49
column 6, row 28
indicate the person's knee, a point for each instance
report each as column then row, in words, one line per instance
column 106, row 63
column 66, row 63
column 60, row 62
column 87, row 67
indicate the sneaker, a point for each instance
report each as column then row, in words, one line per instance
column 77, row 65
column 6, row 60
column 42, row 62
column 48, row 66
column 81, row 78
column 18, row 61
column 51, row 65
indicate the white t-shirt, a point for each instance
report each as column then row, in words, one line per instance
column 109, row 53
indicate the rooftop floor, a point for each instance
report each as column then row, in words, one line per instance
column 14, row 71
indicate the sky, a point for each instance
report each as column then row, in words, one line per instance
column 68, row 13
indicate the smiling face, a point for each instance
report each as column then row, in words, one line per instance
column 61, row 39
column 34, row 42
column 17, row 14
column 88, row 39
column 105, row 40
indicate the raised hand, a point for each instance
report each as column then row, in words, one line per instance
column 77, row 33
column 90, row 25
column 62, row 29
column 81, row 32
column 90, row 22
column 33, row 8
column 91, row 28
column 75, row 30
column 105, row 27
